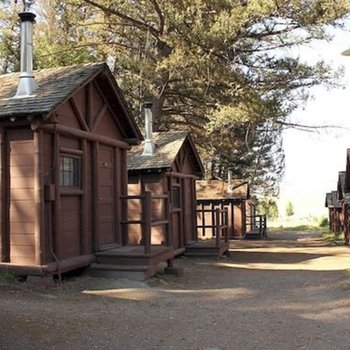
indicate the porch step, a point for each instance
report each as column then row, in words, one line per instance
column 133, row 256
column 139, row 272
column 253, row 235
column 198, row 250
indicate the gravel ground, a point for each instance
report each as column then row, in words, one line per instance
column 291, row 291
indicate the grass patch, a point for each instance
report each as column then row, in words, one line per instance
column 7, row 278
column 300, row 228
column 335, row 238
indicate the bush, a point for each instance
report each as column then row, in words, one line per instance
column 323, row 222
column 7, row 278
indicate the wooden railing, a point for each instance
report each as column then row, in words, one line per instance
column 146, row 221
column 218, row 225
column 256, row 225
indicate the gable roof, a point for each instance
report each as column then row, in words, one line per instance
column 341, row 184
column 342, row 193
column 167, row 147
column 332, row 200
column 56, row 85
column 347, row 173
column 217, row 189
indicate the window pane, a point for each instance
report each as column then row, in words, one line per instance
column 176, row 197
column 70, row 171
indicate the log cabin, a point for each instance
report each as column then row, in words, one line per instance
column 167, row 165
column 344, row 196
column 241, row 207
column 334, row 206
column 64, row 137
column 344, row 199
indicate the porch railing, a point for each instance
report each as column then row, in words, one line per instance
column 218, row 223
column 256, row 225
column 146, row 220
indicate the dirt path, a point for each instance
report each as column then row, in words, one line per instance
column 289, row 292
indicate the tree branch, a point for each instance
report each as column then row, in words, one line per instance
column 127, row 18
column 160, row 15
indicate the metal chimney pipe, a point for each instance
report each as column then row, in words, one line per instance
column 229, row 177
column 229, row 181
column 27, row 84
column 149, row 147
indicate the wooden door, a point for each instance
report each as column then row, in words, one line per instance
column 20, row 192
column 107, row 200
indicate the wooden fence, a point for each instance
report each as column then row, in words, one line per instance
column 218, row 224
column 256, row 225
column 146, row 221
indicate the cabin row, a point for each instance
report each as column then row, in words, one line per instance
column 81, row 186
column 77, row 188
column 338, row 203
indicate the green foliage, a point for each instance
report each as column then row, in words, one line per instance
column 289, row 209
column 268, row 207
column 7, row 278
column 335, row 238
column 9, row 37
column 300, row 228
column 221, row 69
column 323, row 222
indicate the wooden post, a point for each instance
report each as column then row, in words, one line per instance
column 117, row 200
column 226, row 224
column 169, row 239
column 203, row 221
column 244, row 218
column 95, row 195
column 213, row 230
column 57, row 203
column 147, row 222
column 217, row 217
column 232, row 206
column 84, row 216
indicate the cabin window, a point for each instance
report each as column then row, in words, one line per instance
column 176, row 198
column 70, row 171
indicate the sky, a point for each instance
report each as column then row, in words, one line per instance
column 313, row 160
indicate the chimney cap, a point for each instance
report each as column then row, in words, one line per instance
column 147, row 104
column 27, row 16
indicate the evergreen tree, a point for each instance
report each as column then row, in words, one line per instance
column 219, row 68
column 289, row 209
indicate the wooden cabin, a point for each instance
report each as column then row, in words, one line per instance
column 169, row 174
column 334, row 206
column 242, row 219
column 63, row 168
column 344, row 196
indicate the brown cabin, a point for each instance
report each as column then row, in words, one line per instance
column 334, row 206
column 241, row 207
column 169, row 174
column 63, row 168
column 344, row 196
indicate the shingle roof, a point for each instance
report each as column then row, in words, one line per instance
column 217, row 189
column 332, row 200
column 342, row 194
column 55, row 84
column 167, row 144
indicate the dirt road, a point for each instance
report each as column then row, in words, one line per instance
column 289, row 292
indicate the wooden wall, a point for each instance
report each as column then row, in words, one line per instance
column 42, row 221
column 157, row 186
column 21, row 196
